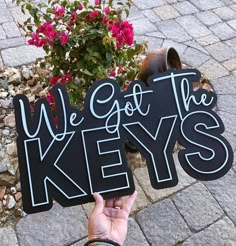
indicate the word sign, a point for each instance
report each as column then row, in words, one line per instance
column 84, row 153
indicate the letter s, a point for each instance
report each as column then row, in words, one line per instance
column 207, row 155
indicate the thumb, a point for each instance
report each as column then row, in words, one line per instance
column 99, row 203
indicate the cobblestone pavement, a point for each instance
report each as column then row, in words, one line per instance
column 192, row 213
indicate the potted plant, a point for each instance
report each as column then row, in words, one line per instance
column 83, row 42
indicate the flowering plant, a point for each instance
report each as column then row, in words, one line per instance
column 83, row 42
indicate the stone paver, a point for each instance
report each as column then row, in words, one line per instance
column 208, row 18
column 190, row 55
column 197, row 46
column 11, row 29
column 212, row 69
column 2, row 33
column 5, row 15
column 21, row 55
column 231, row 43
column 172, row 30
column 135, row 14
column 143, row 26
column 223, row 31
column 223, row 232
column 156, row 34
column 197, row 206
column 224, row 191
column 162, row 224
column 143, row 4
column 204, row 34
column 225, row 13
column 230, row 64
column 207, row 4
column 193, row 26
column 155, row 195
column 135, row 236
column 8, row 237
column 58, row 226
column 230, row 137
column 166, row 12
column 232, row 23
column 220, row 51
column 150, row 14
column 12, row 42
column 225, row 85
column 185, row 8
column 225, row 104
column 228, row 118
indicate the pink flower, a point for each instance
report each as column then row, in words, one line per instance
column 112, row 73
column 36, row 40
column 80, row 7
column 96, row 2
column 105, row 20
column 120, row 69
column 31, row 42
column 59, row 12
column 64, row 37
column 50, row 97
column 123, row 32
column 94, row 14
column 74, row 16
column 48, row 30
column 107, row 10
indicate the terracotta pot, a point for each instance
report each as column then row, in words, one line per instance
column 159, row 61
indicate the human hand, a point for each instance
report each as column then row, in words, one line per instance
column 109, row 219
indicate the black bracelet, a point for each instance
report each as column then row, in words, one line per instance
column 105, row 242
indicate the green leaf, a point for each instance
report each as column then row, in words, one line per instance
column 120, row 3
column 50, row 11
column 130, row 53
column 85, row 71
column 56, row 71
column 127, row 12
column 42, row 5
column 109, row 56
column 131, row 75
column 75, row 53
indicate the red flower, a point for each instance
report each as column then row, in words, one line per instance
column 80, row 7
column 61, row 79
column 54, row 80
column 94, row 14
column 64, row 38
column 66, row 78
column 107, row 10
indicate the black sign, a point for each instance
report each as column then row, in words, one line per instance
column 84, row 153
